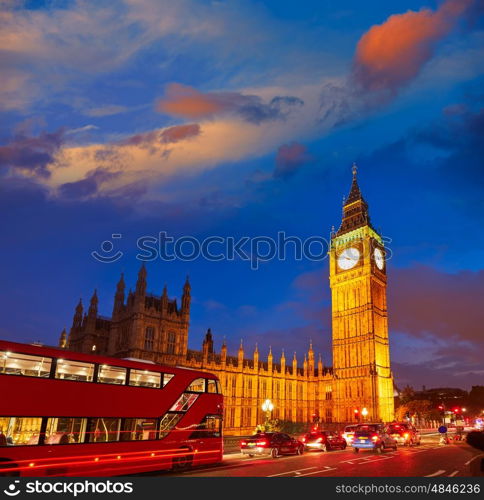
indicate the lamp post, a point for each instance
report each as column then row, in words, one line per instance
column 364, row 413
column 267, row 407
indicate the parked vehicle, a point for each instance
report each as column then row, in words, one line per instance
column 272, row 444
column 374, row 437
column 348, row 433
column 323, row 441
column 404, row 433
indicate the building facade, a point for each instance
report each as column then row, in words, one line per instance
column 155, row 328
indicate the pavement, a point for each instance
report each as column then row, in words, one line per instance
column 430, row 459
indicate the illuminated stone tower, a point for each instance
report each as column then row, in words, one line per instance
column 361, row 355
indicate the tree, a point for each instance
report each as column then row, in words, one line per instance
column 418, row 408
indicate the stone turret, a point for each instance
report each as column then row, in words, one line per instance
column 256, row 357
column 207, row 346
column 311, row 359
column 240, row 354
column 186, row 298
column 119, row 296
column 223, row 354
column 63, row 339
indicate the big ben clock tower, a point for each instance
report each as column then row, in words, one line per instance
column 361, row 355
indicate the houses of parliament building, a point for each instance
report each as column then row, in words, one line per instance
column 155, row 328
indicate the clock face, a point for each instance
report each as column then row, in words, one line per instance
column 348, row 258
column 379, row 259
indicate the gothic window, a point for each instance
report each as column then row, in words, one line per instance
column 329, row 415
column 149, row 338
column 123, row 338
column 171, row 342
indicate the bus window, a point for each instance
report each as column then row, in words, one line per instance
column 168, row 422
column 19, row 431
column 112, row 375
column 184, row 402
column 74, row 370
column 209, row 427
column 214, row 426
column 104, row 429
column 144, row 378
column 138, row 429
column 24, row 364
column 198, row 385
column 65, row 430
column 212, row 386
column 166, row 378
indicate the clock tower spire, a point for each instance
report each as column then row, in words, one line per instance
column 361, row 356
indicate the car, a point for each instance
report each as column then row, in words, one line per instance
column 272, row 444
column 373, row 437
column 404, row 433
column 348, row 433
column 323, row 440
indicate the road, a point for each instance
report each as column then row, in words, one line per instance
column 429, row 459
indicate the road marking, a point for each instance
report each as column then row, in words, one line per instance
column 473, row 458
column 326, row 469
column 374, row 459
column 297, row 471
column 454, row 473
column 438, row 473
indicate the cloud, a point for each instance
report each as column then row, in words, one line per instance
column 49, row 50
column 169, row 135
column 391, row 54
column 290, row 158
column 81, row 130
column 423, row 300
column 88, row 186
column 180, row 132
column 188, row 102
column 31, row 155
column 106, row 110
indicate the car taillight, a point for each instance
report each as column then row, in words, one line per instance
column 243, row 443
column 375, row 438
column 262, row 443
column 319, row 440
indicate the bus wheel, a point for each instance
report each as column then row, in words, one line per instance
column 182, row 462
column 5, row 463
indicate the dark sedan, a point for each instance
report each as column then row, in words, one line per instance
column 324, row 440
column 272, row 444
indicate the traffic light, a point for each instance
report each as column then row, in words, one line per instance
column 357, row 413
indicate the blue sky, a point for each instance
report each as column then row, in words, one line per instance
column 244, row 118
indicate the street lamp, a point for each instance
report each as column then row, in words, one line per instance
column 267, row 407
column 364, row 413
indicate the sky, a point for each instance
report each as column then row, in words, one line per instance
column 243, row 119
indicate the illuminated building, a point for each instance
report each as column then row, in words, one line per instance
column 155, row 328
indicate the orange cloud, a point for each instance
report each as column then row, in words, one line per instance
column 186, row 101
column 392, row 53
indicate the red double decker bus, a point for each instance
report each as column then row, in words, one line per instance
column 64, row 413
